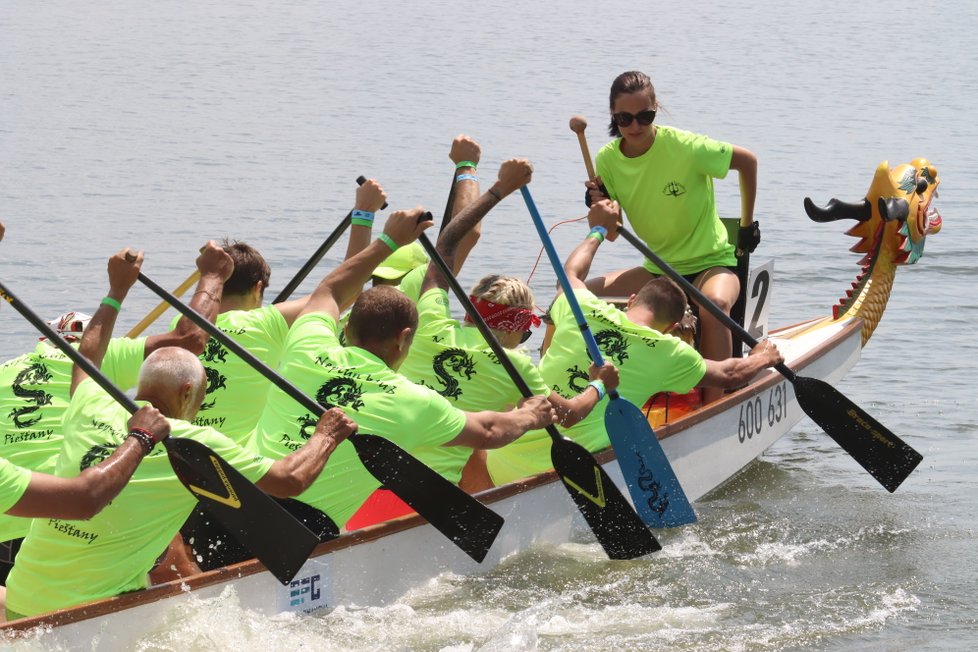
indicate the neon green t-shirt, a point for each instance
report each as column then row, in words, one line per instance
column 648, row 362
column 380, row 400
column 235, row 391
column 456, row 362
column 13, row 483
column 34, row 394
column 667, row 195
column 63, row 563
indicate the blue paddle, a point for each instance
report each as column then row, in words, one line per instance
column 659, row 498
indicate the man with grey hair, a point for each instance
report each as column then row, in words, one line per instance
column 80, row 561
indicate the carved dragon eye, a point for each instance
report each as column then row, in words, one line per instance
column 921, row 184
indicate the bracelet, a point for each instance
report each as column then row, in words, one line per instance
column 495, row 194
column 112, row 303
column 598, row 233
column 361, row 218
column 143, row 437
column 465, row 164
column 599, row 386
column 466, row 177
column 210, row 295
column 386, row 239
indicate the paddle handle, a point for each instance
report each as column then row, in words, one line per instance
column 327, row 244
column 587, row 154
column 301, row 397
column 548, row 245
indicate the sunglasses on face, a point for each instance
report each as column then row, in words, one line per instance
column 526, row 335
column 623, row 118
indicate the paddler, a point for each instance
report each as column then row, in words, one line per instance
column 362, row 379
column 638, row 341
column 663, row 179
column 34, row 387
column 66, row 562
column 455, row 360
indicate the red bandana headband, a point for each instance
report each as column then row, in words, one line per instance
column 504, row 318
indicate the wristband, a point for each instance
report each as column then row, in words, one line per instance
column 112, row 303
column 466, row 177
column 465, row 164
column 599, row 386
column 598, row 233
column 386, row 239
column 361, row 218
column 144, row 438
column 495, row 194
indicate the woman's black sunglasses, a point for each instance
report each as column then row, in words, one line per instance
column 623, row 118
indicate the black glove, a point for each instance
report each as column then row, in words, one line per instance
column 587, row 194
column 748, row 237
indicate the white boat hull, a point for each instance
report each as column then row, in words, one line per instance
column 379, row 564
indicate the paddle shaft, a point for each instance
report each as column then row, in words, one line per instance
column 548, row 245
column 699, row 297
column 155, row 313
column 202, row 322
column 317, row 256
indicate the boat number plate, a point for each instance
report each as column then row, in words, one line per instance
column 763, row 410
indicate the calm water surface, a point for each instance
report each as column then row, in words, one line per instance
column 162, row 124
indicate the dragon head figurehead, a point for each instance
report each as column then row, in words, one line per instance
column 892, row 223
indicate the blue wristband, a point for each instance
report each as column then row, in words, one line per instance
column 598, row 233
column 361, row 218
column 466, row 177
column 599, row 386
column 386, row 239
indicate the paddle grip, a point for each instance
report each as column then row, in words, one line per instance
column 362, row 180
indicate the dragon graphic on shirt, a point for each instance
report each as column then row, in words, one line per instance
column 452, row 361
column 340, row 391
column 613, row 344
column 577, row 379
column 35, row 374
column 97, row 454
column 307, row 426
column 215, row 381
column 214, row 352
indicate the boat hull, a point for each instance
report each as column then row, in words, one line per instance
column 379, row 564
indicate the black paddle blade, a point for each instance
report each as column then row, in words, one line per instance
column 273, row 535
column 879, row 451
column 617, row 527
column 468, row 523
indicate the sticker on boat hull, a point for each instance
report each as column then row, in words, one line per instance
column 310, row 590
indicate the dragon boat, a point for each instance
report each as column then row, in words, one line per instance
column 706, row 447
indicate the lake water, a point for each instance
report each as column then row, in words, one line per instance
column 161, row 124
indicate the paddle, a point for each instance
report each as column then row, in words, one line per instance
column 614, row 523
column 653, row 485
column 274, row 536
column 155, row 313
column 317, row 256
column 887, row 458
column 464, row 520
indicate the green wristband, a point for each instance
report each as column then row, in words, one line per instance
column 386, row 239
column 599, row 387
column 112, row 303
column 465, row 164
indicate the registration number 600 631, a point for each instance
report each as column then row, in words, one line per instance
column 763, row 410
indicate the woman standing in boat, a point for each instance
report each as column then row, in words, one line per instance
column 663, row 179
